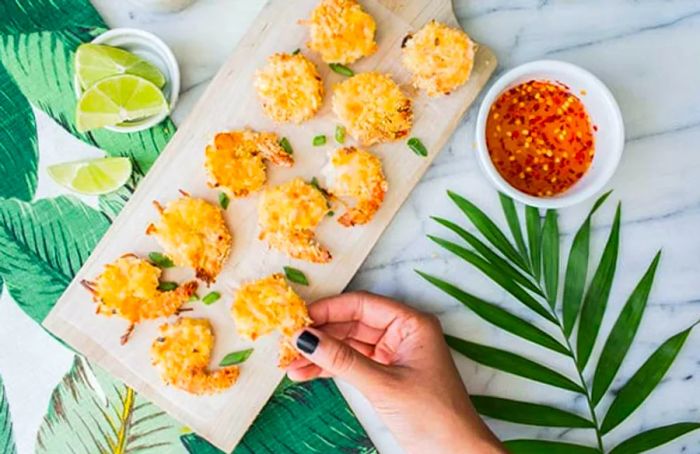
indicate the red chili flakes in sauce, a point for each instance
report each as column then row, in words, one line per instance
column 540, row 138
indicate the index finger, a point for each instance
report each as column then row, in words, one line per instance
column 372, row 310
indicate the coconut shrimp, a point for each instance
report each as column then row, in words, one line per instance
column 193, row 233
column 182, row 352
column 356, row 173
column 289, row 87
column 439, row 57
column 341, row 31
column 236, row 160
column 128, row 288
column 372, row 108
column 270, row 304
column 288, row 215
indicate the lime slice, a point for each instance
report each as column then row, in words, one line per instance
column 118, row 99
column 92, row 176
column 94, row 62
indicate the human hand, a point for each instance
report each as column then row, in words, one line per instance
column 397, row 357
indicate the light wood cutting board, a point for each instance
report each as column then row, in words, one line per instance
column 230, row 103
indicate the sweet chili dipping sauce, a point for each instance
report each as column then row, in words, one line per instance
column 540, row 138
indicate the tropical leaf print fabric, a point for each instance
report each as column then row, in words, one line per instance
column 46, row 235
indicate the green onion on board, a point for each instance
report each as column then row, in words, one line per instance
column 417, row 146
column 319, row 140
column 160, row 260
column 211, row 298
column 295, row 275
column 234, row 358
column 167, row 286
column 340, row 134
column 224, row 200
column 286, row 146
column 341, row 69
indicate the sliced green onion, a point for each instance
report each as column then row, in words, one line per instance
column 193, row 297
column 167, row 286
column 160, row 260
column 211, row 298
column 224, row 200
column 295, row 275
column 417, row 146
column 296, row 51
column 234, row 358
column 340, row 134
column 330, row 213
column 341, row 69
column 286, row 146
column 319, row 140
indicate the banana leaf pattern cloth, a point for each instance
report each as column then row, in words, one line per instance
column 45, row 236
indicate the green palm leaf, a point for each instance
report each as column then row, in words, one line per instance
column 643, row 382
column 527, row 413
column 488, row 228
column 41, row 63
column 534, row 239
column 577, row 269
column 511, row 363
column 497, row 275
column 286, row 425
column 42, row 246
column 90, row 412
column 596, row 300
column 622, row 333
column 653, row 438
column 7, row 441
column 19, row 154
column 490, row 256
column 511, row 215
column 550, row 256
column 544, row 446
column 497, row 316
column 22, row 16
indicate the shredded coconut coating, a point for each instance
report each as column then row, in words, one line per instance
column 270, row 304
column 341, row 31
column 182, row 352
column 356, row 173
column 372, row 108
column 288, row 214
column 439, row 57
column 194, row 234
column 236, row 161
column 290, row 88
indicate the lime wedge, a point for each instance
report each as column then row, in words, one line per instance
column 118, row 99
column 94, row 62
column 92, row 176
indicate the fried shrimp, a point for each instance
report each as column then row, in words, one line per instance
column 439, row 57
column 356, row 173
column 193, row 233
column 289, row 87
column 288, row 215
column 128, row 288
column 372, row 108
column 270, row 304
column 236, row 160
column 341, row 31
column 181, row 353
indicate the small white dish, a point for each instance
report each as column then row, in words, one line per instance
column 151, row 48
column 604, row 114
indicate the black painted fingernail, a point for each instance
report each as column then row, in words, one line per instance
column 307, row 342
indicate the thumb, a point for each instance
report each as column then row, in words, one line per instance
column 338, row 358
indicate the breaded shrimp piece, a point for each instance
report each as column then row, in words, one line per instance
column 288, row 215
column 181, row 353
column 289, row 87
column 193, row 233
column 128, row 288
column 356, row 173
column 341, row 31
column 372, row 108
column 439, row 57
column 236, row 160
column 270, row 304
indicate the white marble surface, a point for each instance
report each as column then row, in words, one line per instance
column 648, row 53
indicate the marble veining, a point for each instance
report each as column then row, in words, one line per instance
column 647, row 52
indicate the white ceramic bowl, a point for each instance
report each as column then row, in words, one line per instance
column 151, row 48
column 602, row 109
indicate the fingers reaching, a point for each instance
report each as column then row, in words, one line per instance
column 372, row 310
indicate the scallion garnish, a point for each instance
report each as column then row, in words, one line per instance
column 341, row 69
column 340, row 134
column 417, row 146
column 167, row 286
column 234, row 358
column 286, row 146
column 211, row 298
column 224, row 200
column 296, row 51
column 295, row 275
column 160, row 260
column 319, row 140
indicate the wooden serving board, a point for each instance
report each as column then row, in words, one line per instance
column 230, row 103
